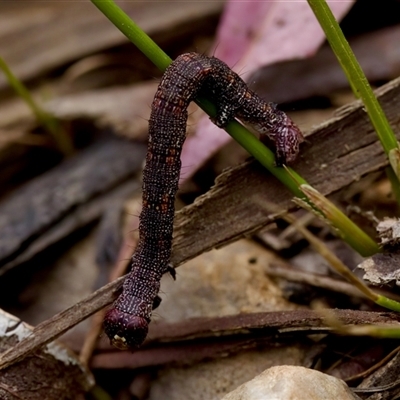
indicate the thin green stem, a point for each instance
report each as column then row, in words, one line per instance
column 379, row 331
column 123, row 22
column 340, row 267
column 394, row 182
column 348, row 231
column 287, row 176
column 246, row 139
column 388, row 303
column 291, row 179
column 98, row 393
column 45, row 119
column 354, row 73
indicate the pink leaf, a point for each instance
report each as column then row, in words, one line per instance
column 253, row 34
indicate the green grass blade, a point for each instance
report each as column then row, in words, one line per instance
column 347, row 230
column 123, row 22
column 287, row 176
column 50, row 123
column 355, row 75
column 236, row 130
column 339, row 266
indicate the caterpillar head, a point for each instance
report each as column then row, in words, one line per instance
column 124, row 330
column 287, row 139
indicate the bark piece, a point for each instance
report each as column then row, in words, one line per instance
column 65, row 198
column 337, row 153
column 53, row 372
column 78, row 29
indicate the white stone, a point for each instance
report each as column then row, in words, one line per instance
column 291, row 383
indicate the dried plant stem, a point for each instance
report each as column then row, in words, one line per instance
column 340, row 268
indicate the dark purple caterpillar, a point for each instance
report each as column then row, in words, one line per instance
column 126, row 323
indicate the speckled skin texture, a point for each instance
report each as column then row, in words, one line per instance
column 126, row 323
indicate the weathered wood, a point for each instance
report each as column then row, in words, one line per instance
column 283, row 321
column 54, row 363
column 201, row 339
column 337, row 153
column 79, row 29
column 54, row 327
column 67, row 197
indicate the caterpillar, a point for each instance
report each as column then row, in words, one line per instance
column 126, row 322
